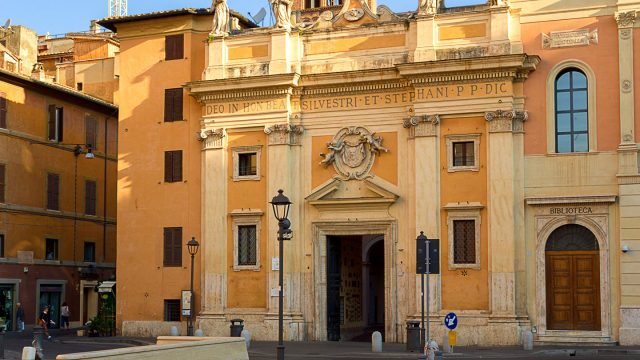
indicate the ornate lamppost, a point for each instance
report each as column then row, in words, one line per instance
column 281, row 204
column 193, row 247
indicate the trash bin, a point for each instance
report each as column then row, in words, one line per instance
column 414, row 341
column 237, row 325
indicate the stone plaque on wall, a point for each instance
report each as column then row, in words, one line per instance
column 558, row 39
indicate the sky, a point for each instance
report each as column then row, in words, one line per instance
column 62, row 16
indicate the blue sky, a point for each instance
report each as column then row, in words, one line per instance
column 61, row 16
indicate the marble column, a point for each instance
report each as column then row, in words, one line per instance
column 214, row 224
column 506, row 207
column 424, row 131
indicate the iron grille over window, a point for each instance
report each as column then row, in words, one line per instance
column 571, row 238
column 463, row 153
column 464, row 241
column 247, row 164
column 572, row 114
column 247, row 245
column 172, row 310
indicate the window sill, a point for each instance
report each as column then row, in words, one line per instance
column 464, row 168
column 238, row 268
column 247, row 178
column 464, row 266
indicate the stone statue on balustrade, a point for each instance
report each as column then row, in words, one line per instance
column 428, row 7
column 499, row 2
column 282, row 12
column 220, row 18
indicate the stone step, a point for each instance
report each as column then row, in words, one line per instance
column 573, row 340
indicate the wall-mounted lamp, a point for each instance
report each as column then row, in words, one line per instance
column 625, row 248
column 25, row 269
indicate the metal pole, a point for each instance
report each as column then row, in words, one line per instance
column 280, row 294
column 190, row 323
column 428, row 320
column 422, row 309
column 75, row 204
column 104, row 193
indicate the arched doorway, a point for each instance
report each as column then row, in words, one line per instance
column 375, row 288
column 572, row 279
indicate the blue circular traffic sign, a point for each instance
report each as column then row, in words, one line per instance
column 451, row 321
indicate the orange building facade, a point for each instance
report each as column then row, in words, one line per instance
column 486, row 127
column 56, row 243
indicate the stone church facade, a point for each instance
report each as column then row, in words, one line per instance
column 506, row 130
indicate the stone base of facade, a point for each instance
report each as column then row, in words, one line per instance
column 263, row 327
column 629, row 326
column 152, row 328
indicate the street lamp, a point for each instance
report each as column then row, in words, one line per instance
column 77, row 150
column 193, row 247
column 281, row 204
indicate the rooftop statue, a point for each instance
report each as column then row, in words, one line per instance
column 282, row 12
column 220, row 18
column 428, row 7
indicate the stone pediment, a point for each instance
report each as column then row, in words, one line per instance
column 353, row 195
column 355, row 13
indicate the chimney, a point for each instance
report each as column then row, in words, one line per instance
column 38, row 72
column 94, row 28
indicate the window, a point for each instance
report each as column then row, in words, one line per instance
column 89, row 251
column 463, row 225
column 173, row 247
column 90, row 197
column 172, row 310
column 79, row 86
column 173, row 166
column 246, row 235
column 571, row 111
column 464, row 249
column 247, row 245
column 173, row 105
column 91, row 132
column 3, row 170
column 246, row 163
column 174, row 47
column 53, row 191
column 463, row 152
column 1, row 245
column 3, row 111
column 310, row 4
column 55, row 125
column 51, row 249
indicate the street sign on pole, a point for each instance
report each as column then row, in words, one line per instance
column 451, row 321
column 434, row 257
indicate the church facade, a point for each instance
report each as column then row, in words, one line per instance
column 505, row 130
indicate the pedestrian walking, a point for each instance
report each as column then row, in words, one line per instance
column 64, row 316
column 44, row 320
column 20, row 317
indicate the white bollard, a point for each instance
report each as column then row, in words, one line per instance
column 199, row 333
column 28, row 353
column 376, row 342
column 246, row 334
column 173, row 331
column 431, row 351
column 445, row 343
column 527, row 340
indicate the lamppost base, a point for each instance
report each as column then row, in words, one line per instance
column 280, row 352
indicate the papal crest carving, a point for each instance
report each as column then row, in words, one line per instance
column 353, row 152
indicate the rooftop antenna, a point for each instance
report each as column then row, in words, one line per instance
column 259, row 18
column 117, row 8
column 7, row 25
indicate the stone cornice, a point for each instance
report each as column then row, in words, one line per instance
column 251, row 87
column 571, row 200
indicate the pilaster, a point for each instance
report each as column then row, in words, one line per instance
column 280, row 52
column 214, row 223
column 284, row 149
column 215, row 59
column 506, row 206
column 628, row 150
column 424, row 132
column 424, row 32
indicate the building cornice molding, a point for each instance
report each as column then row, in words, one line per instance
column 571, row 200
column 506, row 121
column 15, row 208
column 251, row 87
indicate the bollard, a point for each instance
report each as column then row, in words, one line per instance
column 527, row 340
column 173, row 331
column 199, row 333
column 431, row 350
column 376, row 342
column 247, row 337
column 28, row 353
column 37, row 342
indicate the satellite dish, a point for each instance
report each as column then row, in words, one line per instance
column 7, row 25
column 259, row 16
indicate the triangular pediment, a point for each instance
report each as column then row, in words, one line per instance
column 365, row 192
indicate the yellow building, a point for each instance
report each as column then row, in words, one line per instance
column 493, row 128
column 57, row 204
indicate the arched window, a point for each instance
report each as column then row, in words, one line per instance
column 572, row 111
column 571, row 237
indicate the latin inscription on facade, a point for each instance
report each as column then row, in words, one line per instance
column 375, row 100
column 571, row 210
column 557, row 39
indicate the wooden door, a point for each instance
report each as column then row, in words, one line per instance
column 573, row 290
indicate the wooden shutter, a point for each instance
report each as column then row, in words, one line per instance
column 168, row 238
column 177, row 165
column 2, row 182
column 53, row 188
column 172, row 247
column 177, row 104
column 90, row 197
column 174, row 47
column 168, row 105
column 177, row 247
column 52, row 123
column 91, row 128
column 172, row 105
column 168, row 166
column 3, row 111
column 60, row 124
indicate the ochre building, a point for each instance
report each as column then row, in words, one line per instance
column 506, row 130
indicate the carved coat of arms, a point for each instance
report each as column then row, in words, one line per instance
column 353, row 151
